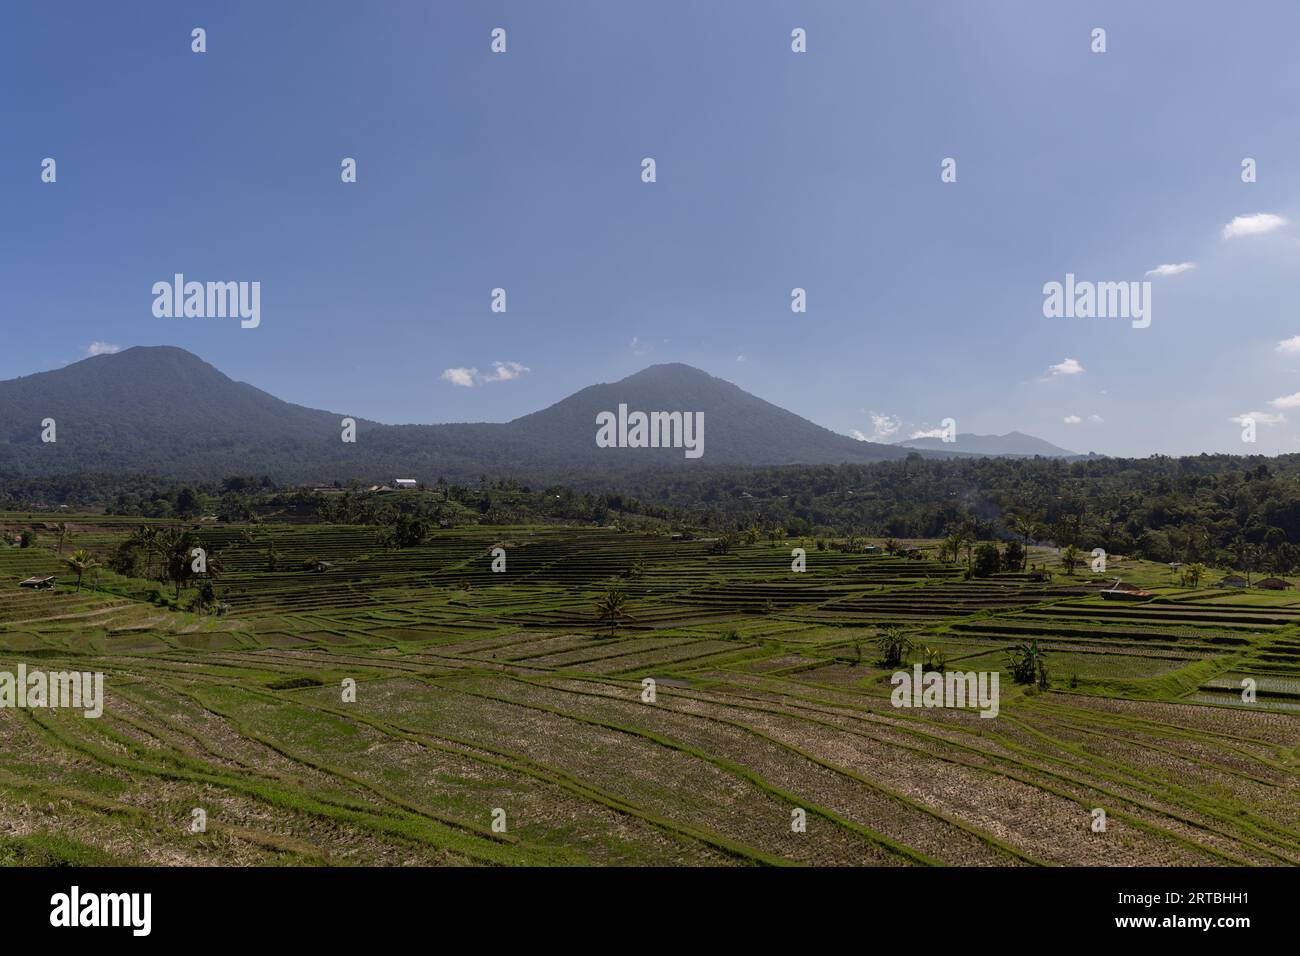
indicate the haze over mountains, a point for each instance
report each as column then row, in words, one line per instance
column 1012, row 444
column 164, row 411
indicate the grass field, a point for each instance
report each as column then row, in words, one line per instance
column 496, row 721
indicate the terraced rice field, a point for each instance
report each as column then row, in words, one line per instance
column 485, row 698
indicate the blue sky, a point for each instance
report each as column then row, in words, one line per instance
column 775, row 170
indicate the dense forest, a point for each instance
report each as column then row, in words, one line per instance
column 1218, row 509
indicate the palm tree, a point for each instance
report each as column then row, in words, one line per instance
column 893, row 644
column 752, row 535
column 174, row 546
column 154, row 544
column 969, row 539
column 80, row 561
column 62, row 530
column 1069, row 558
column 1193, row 573
column 145, row 537
column 1248, row 556
column 612, row 608
column 216, row 567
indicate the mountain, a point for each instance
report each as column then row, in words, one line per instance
column 1010, row 445
column 166, row 412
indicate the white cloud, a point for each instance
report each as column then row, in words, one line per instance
column 1171, row 269
column 460, row 376
column 1287, row 401
column 741, row 358
column 1096, row 419
column 1068, row 367
column 639, row 347
column 1289, row 346
column 102, row 348
column 1260, row 418
column 859, row 436
column 469, row 377
column 1256, row 225
column 1072, row 419
column 884, row 426
column 505, row 371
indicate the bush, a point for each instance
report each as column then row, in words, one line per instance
column 894, row 645
column 988, row 560
column 1028, row 665
column 1013, row 556
column 935, row 660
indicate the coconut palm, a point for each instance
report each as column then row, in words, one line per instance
column 216, row 567
column 612, row 608
column 145, row 538
column 175, row 547
column 80, row 561
column 1069, row 558
column 62, row 530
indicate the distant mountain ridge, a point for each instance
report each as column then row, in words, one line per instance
column 164, row 411
column 1012, row 444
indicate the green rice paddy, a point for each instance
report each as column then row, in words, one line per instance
column 486, row 698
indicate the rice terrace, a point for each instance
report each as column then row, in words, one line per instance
column 546, row 694
column 463, row 461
